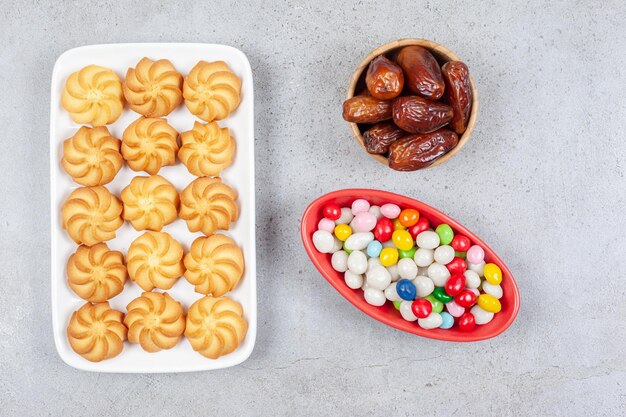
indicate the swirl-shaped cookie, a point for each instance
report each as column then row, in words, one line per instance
column 92, row 156
column 96, row 273
column 93, row 95
column 96, row 332
column 207, row 204
column 211, row 90
column 214, row 264
column 155, row 259
column 150, row 203
column 215, row 326
column 206, row 149
column 91, row 215
column 149, row 144
column 156, row 321
column 153, row 89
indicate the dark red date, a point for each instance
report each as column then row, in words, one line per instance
column 378, row 138
column 419, row 151
column 418, row 115
column 421, row 72
column 458, row 93
column 365, row 109
column 384, row 79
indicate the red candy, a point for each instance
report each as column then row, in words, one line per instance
column 467, row 322
column 457, row 266
column 460, row 243
column 421, row 226
column 331, row 211
column 421, row 308
column 455, row 284
column 465, row 298
column 383, row 230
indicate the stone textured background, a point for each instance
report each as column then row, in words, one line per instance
column 542, row 181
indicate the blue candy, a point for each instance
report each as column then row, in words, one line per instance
column 374, row 248
column 406, row 290
column 447, row 320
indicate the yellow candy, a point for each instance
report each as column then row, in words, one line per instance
column 402, row 239
column 493, row 274
column 389, row 256
column 397, row 225
column 343, row 231
column 489, row 303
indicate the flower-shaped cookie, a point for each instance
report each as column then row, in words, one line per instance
column 207, row 204
column 155, row 259
column 92, row 156
column 149, row 144
column 150, row 203
column 206, row 149
column 215, row 326
column 96, row 332
column 156, row 321
column 153, row 89
column 211, row 90
column 96, row 273
column 91, row 215
column 214, row 264
column 93, row 96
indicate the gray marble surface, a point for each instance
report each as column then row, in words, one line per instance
column 542, row 181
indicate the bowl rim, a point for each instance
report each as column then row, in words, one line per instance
column 431, row 46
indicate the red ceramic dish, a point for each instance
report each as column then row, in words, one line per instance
column 387, row 313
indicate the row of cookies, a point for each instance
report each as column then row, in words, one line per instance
column 95, row 95
column 214, row 326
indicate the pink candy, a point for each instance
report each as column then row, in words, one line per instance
column 390, row 211
column 454, row 309
column 475, row 254
column 359, row 206
column 364, row 222
column 327, row 225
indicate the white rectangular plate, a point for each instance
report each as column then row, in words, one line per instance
column 240, row 176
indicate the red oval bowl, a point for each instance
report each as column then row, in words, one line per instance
column 387, row 313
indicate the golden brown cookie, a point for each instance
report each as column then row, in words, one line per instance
column 211, row 90
column 96, row 273
column 214, row 264
column 153, row 88
column 92, row 156
column 156, row 321
column 149, row 144
column 96, row 332
column 207, row 204
column 155, row 259
column 206, row 149
column 215, row 326
column 93, row 95
column 91, row 215
column 150, row 203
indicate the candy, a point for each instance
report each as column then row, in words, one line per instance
column 346, row 216
column 397, row 225
column 348, row 251
column 354, row 281
column 467, row 322
column 359, row 206
column 389, row 256
column 323, row 241
column 481, row 316
column 408, row 217
column 393, row 271
column 337, row 245
column 331, row 211
column 478, row 268
column 439, row 274
column 493, row 290
column 406, row 289
column 374, row 297
column 433, row 321
column 326, row 224
column 342, row 231
column 437, row 305
column 460, row 243
column 489, row 303
column 407, row 253
column 447, row 321
column 493, row 274
column 374, row 248
column 422, row 225
column 371, row 263
column 428, row 240
column 456, row 266
column 375, row 210
column 407, row 268
column 424, row 286
column 359, row 241
column 472, row 280
column 357, row 262
column 378, row 278
column 390, row 292
column 390, row 211
column 455, row 284
column 339, row 261
column 444, row 254
column 389, row 244
column 465, row 298
column 402, row 239
column 475, row 254
column 445, row 233
column 383, row 230
column 397, row 305
column 421, row 308
column 424, row 257
column 364, row 222
column 441, row 295
column 454, row 309
column 406, row 311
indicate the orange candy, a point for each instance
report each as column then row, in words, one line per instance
column 409, row 217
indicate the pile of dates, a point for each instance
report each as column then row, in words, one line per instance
column 416, row 107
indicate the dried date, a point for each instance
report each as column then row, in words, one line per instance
column 384, row 78
column 419, row 151
column 458, row 93
column 365, row 109
column 421, row 72
column 378, row 138
column 418, row 115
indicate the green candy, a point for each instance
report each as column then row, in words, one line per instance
column 396, row 304
column 445, row 233
column 437, row 305
column 348, row 251
column 441, row 295
column 407, row 253
column 459, row 254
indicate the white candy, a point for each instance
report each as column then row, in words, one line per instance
column 389, row 244
column 365, row 285
column 372, row 262
column 323, row 241
column 357, row 262
column 406, row 312
column 433, row 321
column 375, row 210
column 359, row 241
column 444, row 254
column 491, row 289
column 339, row 261
column 378, row 278
column 472, row 280
column 428, row 240
column 374, row 297
column 481, row 316
column 424, row 257
column 407, row 268
column 346, row 216
column 438, row 273
column 424, row 286
column 478, row 268
column 353, row 280
column 337, row 245
column 393, row 271
column 391, row 293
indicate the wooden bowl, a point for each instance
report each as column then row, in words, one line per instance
column 443, row 55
